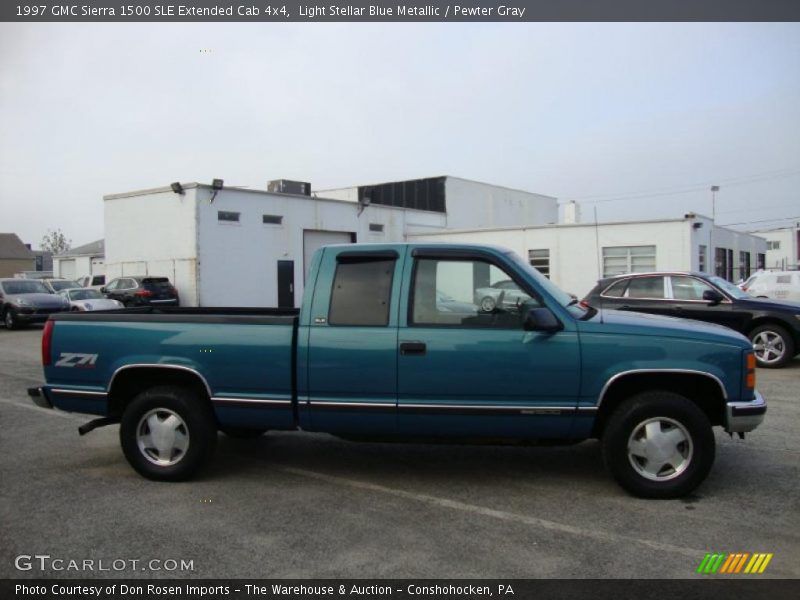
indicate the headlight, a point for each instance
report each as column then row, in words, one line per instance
column 22, row 302
column 87, row 306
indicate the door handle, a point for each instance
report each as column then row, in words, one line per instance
column 409, row 348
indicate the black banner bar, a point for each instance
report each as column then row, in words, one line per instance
column 749, row 587
column 282, row 11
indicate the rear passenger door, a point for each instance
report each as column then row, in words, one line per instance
column 352, row 346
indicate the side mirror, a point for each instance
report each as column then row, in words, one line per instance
column 713, row 297
column 103, row 290
column 541, row 319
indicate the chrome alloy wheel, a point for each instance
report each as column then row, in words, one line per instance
column 162, row 437
column 660, row 449
column 769, row 347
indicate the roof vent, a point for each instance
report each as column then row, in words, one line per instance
column 287, row 186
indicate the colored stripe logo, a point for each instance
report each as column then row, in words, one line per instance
column 734, row 563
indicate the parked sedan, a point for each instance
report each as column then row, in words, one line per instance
column 142, row 291
column 25, row 301
column 502, row 294
column 773, row 327
column 85, row 299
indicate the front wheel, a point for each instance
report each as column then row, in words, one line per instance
column 10, row 319
column 168, row 433
column 772, row 345
column 658, row 445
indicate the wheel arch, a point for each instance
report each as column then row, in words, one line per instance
column 703, row 389
column 130, row 380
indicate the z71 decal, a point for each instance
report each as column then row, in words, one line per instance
column 76, row 359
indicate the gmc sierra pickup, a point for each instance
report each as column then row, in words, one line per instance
column 394, row 342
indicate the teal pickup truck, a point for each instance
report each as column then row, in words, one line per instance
column 397, row 342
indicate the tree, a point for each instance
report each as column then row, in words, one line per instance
column 55, row 242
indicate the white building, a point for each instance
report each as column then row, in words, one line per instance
column 88, row 259
column 783, row 247
column 576, row 255
column 241, row 247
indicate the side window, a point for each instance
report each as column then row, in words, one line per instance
column 688, row 288
column 361, row 292
column 113, row 285
column 646, row 287
column 616, row 290
column 466, row 293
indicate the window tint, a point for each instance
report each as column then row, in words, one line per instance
column 466, row 293
column 617, row 290
column 646, row 287
column 361, row 292
column 688, row 288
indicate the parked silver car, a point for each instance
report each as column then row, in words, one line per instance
column 85, row 299
column 502, row 294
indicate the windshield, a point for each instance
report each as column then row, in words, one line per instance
column 551, row 288
column 728, row 287
column 24, row 286
column 87, row 294
column 63, row 284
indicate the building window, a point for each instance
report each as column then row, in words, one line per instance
column 228, row 216
column 701, row 259
column 744, row 264
column 773, row 245
column 272, row 219
column 376, row 227
column 540, row 260
column 761, row 261
column 628, row 259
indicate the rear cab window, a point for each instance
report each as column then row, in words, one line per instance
column 362, row 290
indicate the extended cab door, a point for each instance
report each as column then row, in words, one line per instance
column 352, row 344
column 466, row 366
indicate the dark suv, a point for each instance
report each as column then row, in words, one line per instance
column 772, row 326
column 142, row 291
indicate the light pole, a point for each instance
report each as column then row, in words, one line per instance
column 711, row 250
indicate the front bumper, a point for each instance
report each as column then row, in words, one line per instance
column 741, row 417
column 39, row 397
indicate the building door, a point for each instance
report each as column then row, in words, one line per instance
column 285, row 284
column 66, row 269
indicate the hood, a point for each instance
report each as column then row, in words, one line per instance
column 38, row 300
column 618, row 321
column 769, row 304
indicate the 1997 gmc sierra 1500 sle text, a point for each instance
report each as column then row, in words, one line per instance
column 392, row 342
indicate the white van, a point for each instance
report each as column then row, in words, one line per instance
column 779, row 285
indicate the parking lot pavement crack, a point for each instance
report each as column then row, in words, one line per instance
column 603, row 536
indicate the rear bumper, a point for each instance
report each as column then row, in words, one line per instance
column 39, row 397
column 741, row 417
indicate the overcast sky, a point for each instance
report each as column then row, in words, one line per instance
column 652, row 113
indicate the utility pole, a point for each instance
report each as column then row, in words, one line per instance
column 711, row 250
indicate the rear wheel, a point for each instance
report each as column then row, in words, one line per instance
column 168, row 433
column 658, row 445
column 772, row 345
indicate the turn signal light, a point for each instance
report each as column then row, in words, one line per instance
column 750, row 373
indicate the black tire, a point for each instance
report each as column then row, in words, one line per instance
column 197, row 424
column 240, row 433
column 673, row 417
column 782, row 348
column 10, row 319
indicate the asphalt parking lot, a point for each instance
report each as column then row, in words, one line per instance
column 310, row 505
